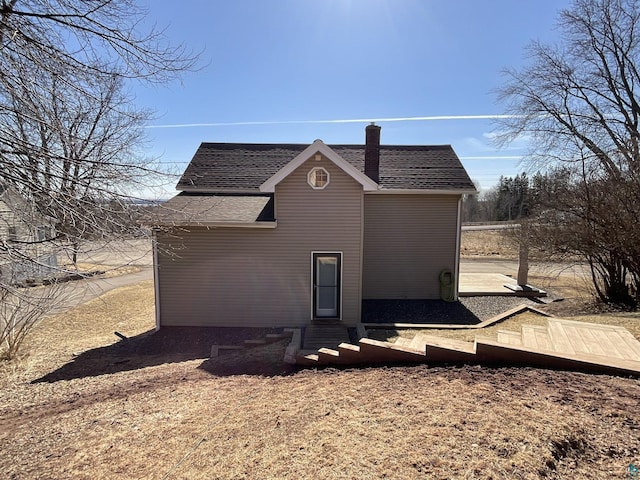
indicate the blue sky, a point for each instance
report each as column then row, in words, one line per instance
column 286, row 70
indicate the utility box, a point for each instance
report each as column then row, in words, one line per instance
column 447, row 292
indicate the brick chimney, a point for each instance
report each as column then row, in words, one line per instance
column 372, row 152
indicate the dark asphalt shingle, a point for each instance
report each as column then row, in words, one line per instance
column 205, row 209
column 243, row 167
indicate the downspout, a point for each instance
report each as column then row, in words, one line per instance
column 156, row 277
column 456, row 281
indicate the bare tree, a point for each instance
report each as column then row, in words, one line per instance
column 89, row 36
column 578, row 103
column 70, row 135
column 62, row 67
column 76, row 154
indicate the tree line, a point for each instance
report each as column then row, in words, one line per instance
column 509, row 200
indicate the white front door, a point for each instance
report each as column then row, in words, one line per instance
column 326, row 279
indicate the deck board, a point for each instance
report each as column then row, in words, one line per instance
column 608, row 342
column 559, row 338
column 575, row 339
column 509, row 337
column 587, row 335
column 631, row 342
column 542, row 336
column 536, row 336
column 625, row 349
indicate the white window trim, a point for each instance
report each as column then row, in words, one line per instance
column 319, row 147
column 312, row 172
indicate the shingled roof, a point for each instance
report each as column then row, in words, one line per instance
column 206, row 209
column 242, row 167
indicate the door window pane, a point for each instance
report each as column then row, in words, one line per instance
column 326, row 284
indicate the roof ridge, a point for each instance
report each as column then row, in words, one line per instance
column 332, row 145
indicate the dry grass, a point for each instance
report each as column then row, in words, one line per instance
column 190, row 419
column 497, row 244
column 487, row 243
column 108, row 271
column 58, row 339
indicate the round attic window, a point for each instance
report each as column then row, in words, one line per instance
column 318, row 178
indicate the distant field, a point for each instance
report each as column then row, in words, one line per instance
column 488, row 243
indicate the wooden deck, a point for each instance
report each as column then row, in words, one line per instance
column 563, row 344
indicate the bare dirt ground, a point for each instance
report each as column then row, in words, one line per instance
column 83, row 404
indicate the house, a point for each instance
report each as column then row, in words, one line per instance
column 287, row 235
column 25, row 234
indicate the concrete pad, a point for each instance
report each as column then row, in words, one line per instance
column 480, row 284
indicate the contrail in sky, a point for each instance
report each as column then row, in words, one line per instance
column 499, row 157
column 351, row 120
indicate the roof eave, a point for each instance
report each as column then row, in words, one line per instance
column 425, row 191
column 221, row 191
column 216, row 224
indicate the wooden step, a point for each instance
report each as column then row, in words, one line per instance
column 417, row 343
column 537, row 337
column 319, row 336
column 329, row 356
column 349, row 353
column 307, row 358
column 405, row 342
column 446, row 350
column 377, row 351
column 509, row 337
column 255, row 341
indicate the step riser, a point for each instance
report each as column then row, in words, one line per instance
column 374, row 351
column 437, row 354
column 349, row 353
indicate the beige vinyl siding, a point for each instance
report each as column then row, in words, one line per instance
column 408, row 241
column 262, row 277
column 327, row 220
column 228, row 277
